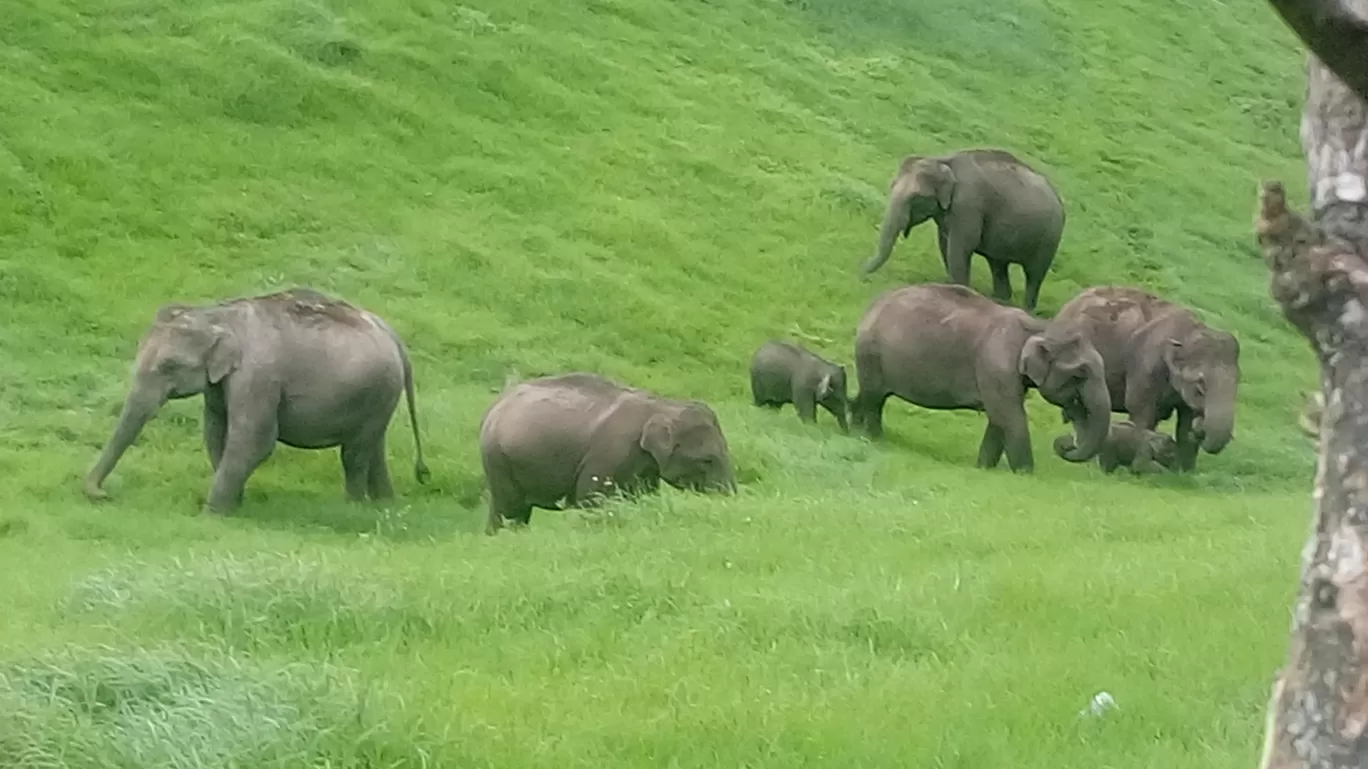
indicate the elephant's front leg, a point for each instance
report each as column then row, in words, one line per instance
column 215, row 429
column 251, row 439
column 805, row 403
column 959, row 248
column 1185, row 456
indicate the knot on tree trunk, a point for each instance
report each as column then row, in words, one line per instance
column 1316, row 272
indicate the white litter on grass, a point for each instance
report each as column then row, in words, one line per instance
column 1101, row 703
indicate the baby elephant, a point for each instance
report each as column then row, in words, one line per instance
column 1143, row 451
column 783, row 372
column 580, row 436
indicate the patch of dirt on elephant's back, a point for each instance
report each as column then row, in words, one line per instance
column 306, row 304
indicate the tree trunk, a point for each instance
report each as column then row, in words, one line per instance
column 1318, row 713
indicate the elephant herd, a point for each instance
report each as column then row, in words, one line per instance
column 313, row 371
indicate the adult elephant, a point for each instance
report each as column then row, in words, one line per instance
column 296, row 367
column 581, row 437
column 1161, row 359
column 942, row 346
column 983, row 201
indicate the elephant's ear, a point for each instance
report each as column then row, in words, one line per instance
column 945, row 186
column 657, row 439
column 1033, row 363
column 224, row 354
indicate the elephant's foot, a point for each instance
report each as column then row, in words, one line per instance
column 95, row 493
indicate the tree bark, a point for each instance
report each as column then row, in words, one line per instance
column 1318, row 712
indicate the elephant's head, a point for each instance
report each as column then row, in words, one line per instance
column 1068, row 372
column 688, row 447
column 923, row 188
column 833, row 392
column 1205, row 370
column 181, row 355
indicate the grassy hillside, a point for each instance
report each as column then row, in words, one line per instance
column 648, row 189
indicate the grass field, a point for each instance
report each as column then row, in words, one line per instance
column 647, row 189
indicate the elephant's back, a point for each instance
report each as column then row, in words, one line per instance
column 925, row 341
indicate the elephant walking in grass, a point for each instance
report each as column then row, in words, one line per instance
column 983, row 201
column 296, row 367
column 783, row 372
column 943, row 346
column 1161, row 360
column 581, row 437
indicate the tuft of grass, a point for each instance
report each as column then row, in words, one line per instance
column 649, row 190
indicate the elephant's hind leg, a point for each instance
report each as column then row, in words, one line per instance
column 1035, row 276
column 215, row 431
column 1002, row 280
column 356, row 464
column 378, row 484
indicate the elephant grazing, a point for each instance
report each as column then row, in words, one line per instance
column 783, row 372
column 942, row 346
column 1161, row 359
column 983, row 201
column 581, row 436
column 297, row 367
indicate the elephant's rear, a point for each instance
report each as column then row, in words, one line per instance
column 919, row 343
column 771, row 372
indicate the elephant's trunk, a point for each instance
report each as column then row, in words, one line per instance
column 1091, row 425
column 1218, row 417
column 897, row 219
column 140, row 406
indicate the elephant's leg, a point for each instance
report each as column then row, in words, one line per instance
column 215, row 431
column 356, row 460
column 1141, row 408
column 991, row 447
column 248, row 443
column 1035, row 275
column 805, row 403
column 960, row 243
column 840, row 416
column 506, row 501
column 1002, row 281
column 1188, row 445
column 378, row 485
column 869, row 411
column 1007, row 414
column 1144, row 462
column 943, row 245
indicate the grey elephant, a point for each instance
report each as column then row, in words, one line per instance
column 1143, row 451
column 582, row 437
column 1161, row 360
column 296, row 367
column 944, row 346
column 983, row 201
column 783, row 372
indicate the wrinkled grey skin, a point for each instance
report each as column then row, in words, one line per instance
column 581, row 437
column 296, row 367
column 783, row 372
column 1143, row 451
column 1161, row 360
column 942, row 346
column 983, row 201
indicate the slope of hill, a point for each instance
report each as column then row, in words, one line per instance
column 648, row 189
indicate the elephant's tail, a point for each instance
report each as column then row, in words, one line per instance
column 420, row 468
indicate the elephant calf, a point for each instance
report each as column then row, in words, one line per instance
column 296, row 367
column 783, row 372
column 1128, row 445
column 581, row 436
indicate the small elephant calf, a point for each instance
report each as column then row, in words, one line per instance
column 783, row 372
column 1141, row 450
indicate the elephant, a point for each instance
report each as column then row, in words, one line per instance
column 296, row 367
column 783, row 372
column 984, row 201
column 582, row 437
column 944, row 346
column 1143, row 451
column 1161, row 359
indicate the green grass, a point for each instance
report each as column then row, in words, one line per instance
column 648, row 189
